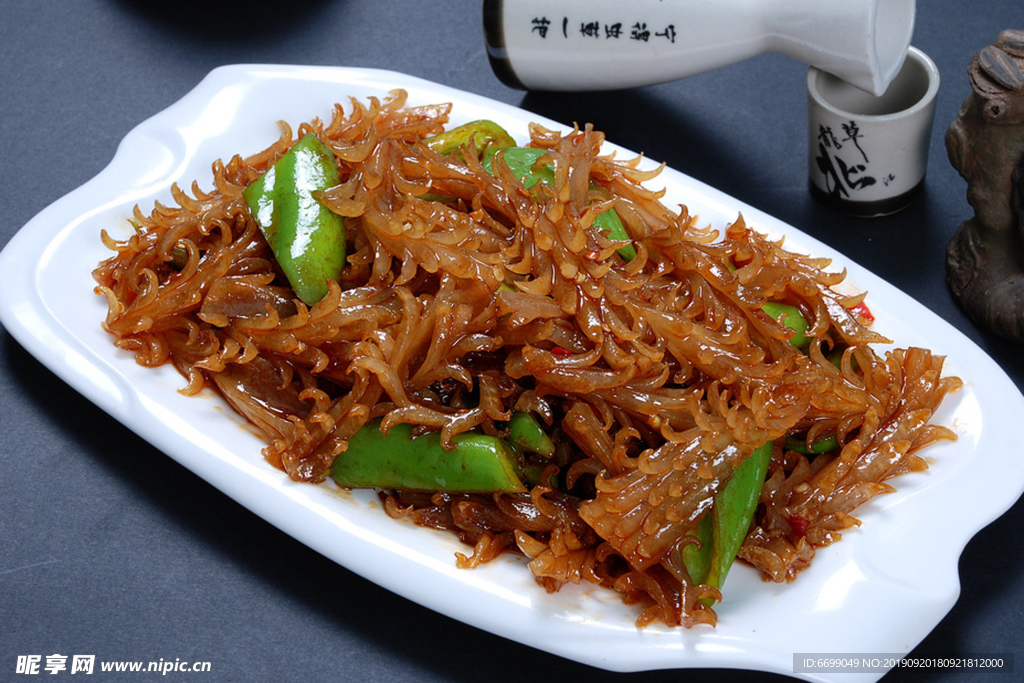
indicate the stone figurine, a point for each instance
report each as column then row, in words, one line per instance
column 985, row 258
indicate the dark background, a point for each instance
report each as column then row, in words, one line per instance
column 109, row 547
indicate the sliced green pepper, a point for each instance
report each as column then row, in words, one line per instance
column 527, row 434
column 786, row 314
column 698, row 558
column 487, row 136
column 397, row 460
column 722, row 531
column 610, row 223
column 522, row 161
column 791, row 317
column 823, row 444
column 307, row 238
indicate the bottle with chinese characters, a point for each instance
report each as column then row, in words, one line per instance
column 610, row 44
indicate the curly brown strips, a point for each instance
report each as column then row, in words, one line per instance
column 667, row 600
column 643, row 513
column 467, row 296
column 809, row 507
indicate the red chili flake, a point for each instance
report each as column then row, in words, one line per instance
column 559, row 351
column 593, row 255
column 799, row 525
column 862, row 311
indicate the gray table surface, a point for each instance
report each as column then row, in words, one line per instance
column 109, row 547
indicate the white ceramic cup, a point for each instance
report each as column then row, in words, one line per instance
column 867, row 155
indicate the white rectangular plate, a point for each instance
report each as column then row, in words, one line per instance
column 880, row 590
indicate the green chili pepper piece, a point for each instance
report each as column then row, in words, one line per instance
column 487, row 136
column 788, row 315
column 307, row 238
column 396, row 460
column 698, row 560
column 822, row 444
column 522, row 161
column 179, row 258
column 835, row 356
column 526, row 433
column 610, row 223
column 734, row 510
column 791, row 317
column 721, row 531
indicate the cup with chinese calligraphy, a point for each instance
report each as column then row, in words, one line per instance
column 867, row 154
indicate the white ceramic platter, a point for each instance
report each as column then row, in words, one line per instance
column 880, row 590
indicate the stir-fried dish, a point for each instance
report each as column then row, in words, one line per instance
column 522, row 345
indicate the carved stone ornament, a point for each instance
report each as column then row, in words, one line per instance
column 985, row 258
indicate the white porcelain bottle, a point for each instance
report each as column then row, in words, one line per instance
column 609, row 44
